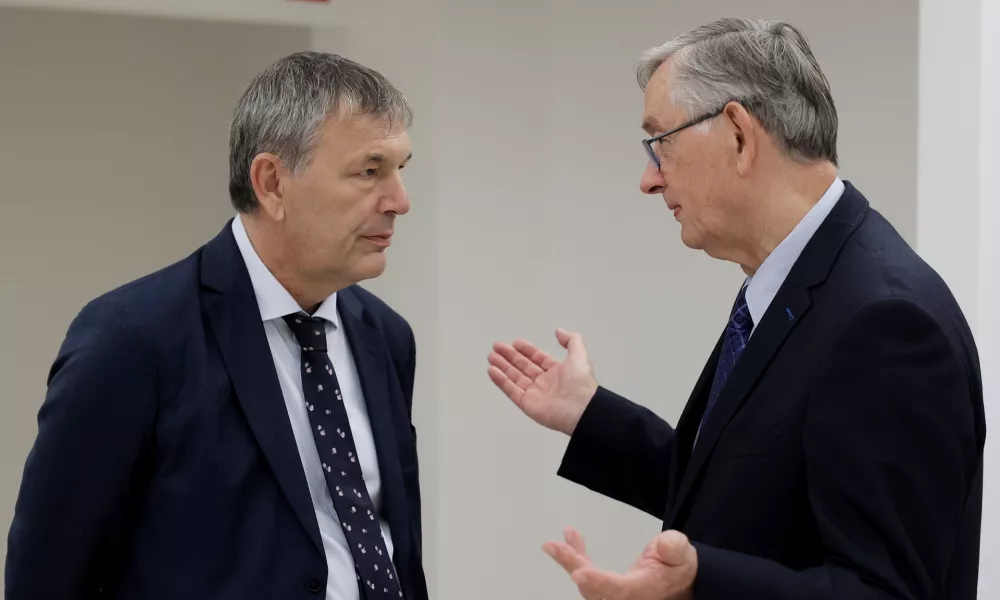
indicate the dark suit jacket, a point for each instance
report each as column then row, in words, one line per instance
column 844, row 457
column 165, row 465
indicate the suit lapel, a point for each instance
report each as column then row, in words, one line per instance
column 686, row 428
column 370, row 352
column 232, row 313
column 788, row 308
column 766, row 341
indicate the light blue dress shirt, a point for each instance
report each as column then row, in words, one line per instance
column 763, row 285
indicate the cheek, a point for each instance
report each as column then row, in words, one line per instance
column 332, row 206
column 684, row 174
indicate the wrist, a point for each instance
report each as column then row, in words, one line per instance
column 579, row 407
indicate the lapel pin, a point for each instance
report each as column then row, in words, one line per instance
column 788, row 312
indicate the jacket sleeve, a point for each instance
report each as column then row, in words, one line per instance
column 893, row 450
column 621, row 450
column 92, row 427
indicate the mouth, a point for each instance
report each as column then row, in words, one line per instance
column 383, row 240
column 675, row 208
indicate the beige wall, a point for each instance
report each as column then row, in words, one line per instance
column 114, row 163
column 282, row 12
column 527, row 216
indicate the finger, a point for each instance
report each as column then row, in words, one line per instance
column 570, row 559
column 674, row 548
column 564, row 554
column 522, row 360
column 575, row 540
column 519, row 360
column 535, row 355
column 595, row 583
column 516, row 375
column 507, row 386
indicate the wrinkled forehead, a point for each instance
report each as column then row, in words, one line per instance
column 659, row 113
column 356, row 119
column 353, row 137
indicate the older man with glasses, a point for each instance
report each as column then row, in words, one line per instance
column 832, row 447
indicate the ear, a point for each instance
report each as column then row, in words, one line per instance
column 266, row 176
column 744, row 131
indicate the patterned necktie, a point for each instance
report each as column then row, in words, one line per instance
column 341, row 467
column 736, row 337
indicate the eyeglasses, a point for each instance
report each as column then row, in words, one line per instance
column 648, row 142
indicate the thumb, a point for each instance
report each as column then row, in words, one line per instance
column 571, row 341
column 673, row 548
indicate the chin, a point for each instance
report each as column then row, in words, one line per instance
column 371, row 266
column 693, row 241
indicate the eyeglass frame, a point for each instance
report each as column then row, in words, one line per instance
column 648, row 142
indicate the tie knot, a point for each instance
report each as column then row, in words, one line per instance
column 741, row 318
column 310, row 332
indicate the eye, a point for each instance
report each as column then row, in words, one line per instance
column 661, row 146
column 368, row 173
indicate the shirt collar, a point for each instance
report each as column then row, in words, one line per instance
column 273, row 300
column 763, row 285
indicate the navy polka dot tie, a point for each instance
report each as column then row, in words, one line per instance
column 332, row 432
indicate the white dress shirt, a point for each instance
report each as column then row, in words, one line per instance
column 274, row 302
column 763, row 285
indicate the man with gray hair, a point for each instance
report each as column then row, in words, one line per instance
column 238, row 425
column 832, row 447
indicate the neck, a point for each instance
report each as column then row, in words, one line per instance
column 778, row 206
column 274, row 251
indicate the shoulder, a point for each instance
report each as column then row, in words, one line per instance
column 878, row 271
column 887, row 263
column 881, row 294
column 393, row 326
column 151, row 306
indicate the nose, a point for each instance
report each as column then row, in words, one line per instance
column 396, row 199
column 652, row 180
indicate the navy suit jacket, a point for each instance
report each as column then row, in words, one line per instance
column 843, row 459
column 165, row 465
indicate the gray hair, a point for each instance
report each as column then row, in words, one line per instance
column 283, row 110
column 766, row 66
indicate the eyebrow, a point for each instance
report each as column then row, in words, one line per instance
column 378, row 158
column 649, row 125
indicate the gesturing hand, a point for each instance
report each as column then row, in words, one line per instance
column 665, row 571
column 552, row 393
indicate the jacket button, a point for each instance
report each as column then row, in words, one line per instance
column 315, row 586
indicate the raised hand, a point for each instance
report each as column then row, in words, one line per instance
column 553, row 393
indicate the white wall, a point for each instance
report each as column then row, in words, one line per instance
column 988, row 319
column 114, row 163
column 958, row 205
column 527, row 216
column 949, row 126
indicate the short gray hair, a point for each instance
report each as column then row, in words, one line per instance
column 766, row 66
column 283, row 110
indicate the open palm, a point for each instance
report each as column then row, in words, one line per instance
column 553, row 393
column 665, row 570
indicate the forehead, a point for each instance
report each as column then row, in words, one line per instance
column 658, row 112
column 348, row 135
